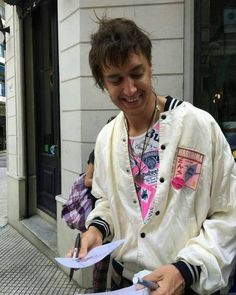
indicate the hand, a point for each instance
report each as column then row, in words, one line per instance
column 89, row 239
column 169, row 279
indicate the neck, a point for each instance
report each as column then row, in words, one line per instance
column 137, row 125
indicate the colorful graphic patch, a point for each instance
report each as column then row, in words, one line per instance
column 187, row 168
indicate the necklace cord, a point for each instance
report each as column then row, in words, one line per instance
column 138, row 177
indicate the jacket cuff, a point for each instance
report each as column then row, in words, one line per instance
column 102, row 226
column 189, row 272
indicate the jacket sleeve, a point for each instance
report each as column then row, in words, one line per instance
column 100, row 216
column 214, row 249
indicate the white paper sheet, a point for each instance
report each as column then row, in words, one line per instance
column 125, row 291
column 93, row 256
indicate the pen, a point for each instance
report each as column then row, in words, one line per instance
column 75, row 253
column 149, row 284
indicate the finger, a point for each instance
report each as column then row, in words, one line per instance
column 138, row 287
column 70, row 253
column 83, row 249
column 83, row 252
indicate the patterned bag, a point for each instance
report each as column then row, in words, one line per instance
column 78, row 205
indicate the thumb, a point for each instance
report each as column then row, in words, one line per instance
column 154, row 276
column 70, row 253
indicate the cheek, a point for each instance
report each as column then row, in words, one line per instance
column 113, row 91
column 113, row 95
column 146, row 84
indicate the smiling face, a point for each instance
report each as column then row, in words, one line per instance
column 129, row 86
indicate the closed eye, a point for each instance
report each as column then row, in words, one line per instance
column 137, row 75
column 115, row 80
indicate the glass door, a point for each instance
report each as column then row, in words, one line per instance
column 215, row 63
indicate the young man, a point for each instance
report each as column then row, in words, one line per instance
column 164, row 176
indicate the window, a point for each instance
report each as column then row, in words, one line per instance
column 215, row 63
column 2, row 88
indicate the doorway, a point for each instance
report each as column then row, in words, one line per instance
column 42, row 107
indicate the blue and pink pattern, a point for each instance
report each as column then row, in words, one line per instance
column 148, row 166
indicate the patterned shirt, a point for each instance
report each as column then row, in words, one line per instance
column 145, row 163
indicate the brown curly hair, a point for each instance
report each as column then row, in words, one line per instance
column 112, row 44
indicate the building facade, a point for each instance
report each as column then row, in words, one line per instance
column 54, row 111
column 2, row 84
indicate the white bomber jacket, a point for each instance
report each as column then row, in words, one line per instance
column 195, row 222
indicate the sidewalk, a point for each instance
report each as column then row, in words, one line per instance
column 23, row 268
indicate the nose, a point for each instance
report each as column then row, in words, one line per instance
column 129, row 87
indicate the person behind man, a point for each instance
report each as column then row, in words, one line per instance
column 100, row 269
column 164, row 178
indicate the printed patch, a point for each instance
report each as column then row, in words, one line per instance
column 187, row 170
